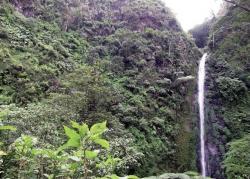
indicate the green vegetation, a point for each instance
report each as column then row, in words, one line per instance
column 228, row 86
column 89, row 61
column 33, row 55
column 231, row 89
column 125, row 61
column 4, row 127
column 84, row 152
column 237, row 159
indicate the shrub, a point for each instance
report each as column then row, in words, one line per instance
column 237, row 159
column 84, row 155
column 230, row 89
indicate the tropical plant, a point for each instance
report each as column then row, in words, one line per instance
column 84, row 155
column 83, row 144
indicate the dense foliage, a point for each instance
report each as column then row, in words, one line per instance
column 80, row 157
column 127, row 62
column 228, row 93
column 237, row 159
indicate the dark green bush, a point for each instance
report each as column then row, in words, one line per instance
column 230, row 89
column 237, row 159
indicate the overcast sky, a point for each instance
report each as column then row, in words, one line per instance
column 192, row 12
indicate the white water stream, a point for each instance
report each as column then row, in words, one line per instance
column 201, row 84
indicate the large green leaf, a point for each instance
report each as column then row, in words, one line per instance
column 91, row 154
column 104, row 143
column 71, row 133
column 73, row 143
column 83, row 129
column 7, row 128
column 74, row 137
column 98, row 128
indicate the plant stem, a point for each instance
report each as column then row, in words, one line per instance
column 85, row 165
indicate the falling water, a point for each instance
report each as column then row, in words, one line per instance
column 201, row 82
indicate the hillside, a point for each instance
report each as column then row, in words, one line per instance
column 130, row 65
column 107, row 88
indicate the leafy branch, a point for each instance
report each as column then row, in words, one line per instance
column 84, row 153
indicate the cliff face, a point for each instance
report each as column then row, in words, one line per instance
column 227, row 85
column 124, row 61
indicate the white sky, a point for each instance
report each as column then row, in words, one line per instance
column 192, row 12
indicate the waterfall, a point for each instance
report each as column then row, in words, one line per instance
column 201, row 84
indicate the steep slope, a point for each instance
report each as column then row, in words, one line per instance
column 227, row 86
column 33, row 54
column 99, row 17
column 127, row 62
